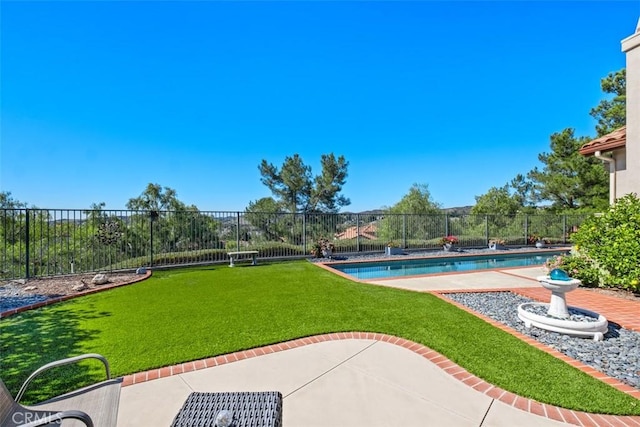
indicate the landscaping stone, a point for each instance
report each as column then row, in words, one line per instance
column 99, row 279
column 80, row 287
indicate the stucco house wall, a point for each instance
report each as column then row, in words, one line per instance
column 629, row 182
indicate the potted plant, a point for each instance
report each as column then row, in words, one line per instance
column 322, row 248
column 495, row 244
column 539, row 242
column 393, row 248
column 447, row 242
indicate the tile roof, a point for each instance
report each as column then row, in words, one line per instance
column 608, row 142
column 367, row 231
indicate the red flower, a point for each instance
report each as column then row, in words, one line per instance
column 449, row 239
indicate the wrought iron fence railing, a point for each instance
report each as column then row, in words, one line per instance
column 50, row 242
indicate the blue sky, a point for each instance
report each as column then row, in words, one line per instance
column 98, row 99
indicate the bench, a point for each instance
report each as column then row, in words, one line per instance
column 94, row 405
column 242, row 254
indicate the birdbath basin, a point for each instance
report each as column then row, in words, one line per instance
column 558, row 288
column 578, row 322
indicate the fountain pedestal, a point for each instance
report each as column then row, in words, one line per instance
column 557, row 318
column 558, row 288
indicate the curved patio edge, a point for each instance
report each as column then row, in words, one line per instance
column 56, row 300
column 458, row 372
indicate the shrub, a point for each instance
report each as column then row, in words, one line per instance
column 322, row 246
column 612, row 242
column 578, row 267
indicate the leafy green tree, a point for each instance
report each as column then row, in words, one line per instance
column 297, row 190
column 423, row 216
column 175, row 224
column 8, row 202
column 417, row 201
column 498, row 207
column 12, row 234
column 611, row 113
column 266, row 215
column 12, row 218
column 156, row 198
column 569, row 180
column 497, row 201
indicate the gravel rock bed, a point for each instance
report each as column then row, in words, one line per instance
column 22, row 292
column 617, row 356
column 13, row 296
column 574, row 315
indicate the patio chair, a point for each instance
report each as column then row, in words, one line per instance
column 94, row 405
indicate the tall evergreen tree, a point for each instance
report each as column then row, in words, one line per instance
column 157, row 198
column 569, row 180
column 297, row 190
column 611, row 113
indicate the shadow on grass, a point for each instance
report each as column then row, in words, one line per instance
column 33, row 339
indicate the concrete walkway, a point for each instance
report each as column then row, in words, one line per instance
column 334, row 383
column 485, row 280
column 357, row 379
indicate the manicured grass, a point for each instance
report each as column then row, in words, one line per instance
column 187, row 314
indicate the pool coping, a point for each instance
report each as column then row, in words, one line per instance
column 326, row 265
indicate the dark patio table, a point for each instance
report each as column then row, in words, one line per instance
column 249, row 409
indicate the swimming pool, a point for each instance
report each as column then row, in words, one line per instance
column 439, row 265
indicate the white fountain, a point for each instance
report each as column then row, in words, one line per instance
column 557, row 318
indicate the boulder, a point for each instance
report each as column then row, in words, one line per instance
column 141, row 270
column 99, row 279
column 79, row 287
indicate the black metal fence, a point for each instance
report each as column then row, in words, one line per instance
column 50, row 242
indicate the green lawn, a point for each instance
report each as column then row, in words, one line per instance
column 187, row 314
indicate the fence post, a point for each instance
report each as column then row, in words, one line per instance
column 357, row 232
column 26, row 244
column 446, row 224
column 526, row 229
column 564, row 229
column 151, row 240
column 237, row 231
column 404, row 231
column 486, row 230
column 304, row 233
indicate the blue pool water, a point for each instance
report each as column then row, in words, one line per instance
column 416, row 267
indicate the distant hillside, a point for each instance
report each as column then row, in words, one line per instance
column 461, row 210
